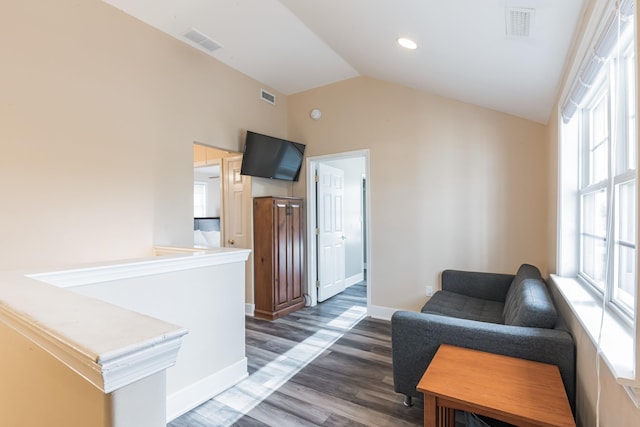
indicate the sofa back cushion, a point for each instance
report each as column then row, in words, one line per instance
column 452, row 304
column 528, row 302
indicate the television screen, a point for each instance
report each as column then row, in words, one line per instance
column 269, row 157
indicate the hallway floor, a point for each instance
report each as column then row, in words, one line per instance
column 323, row 366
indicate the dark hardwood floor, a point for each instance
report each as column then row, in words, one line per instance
column 323, row 366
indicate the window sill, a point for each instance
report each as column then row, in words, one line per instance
column 617, row 344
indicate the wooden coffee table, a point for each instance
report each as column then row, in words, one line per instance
column 517, row 391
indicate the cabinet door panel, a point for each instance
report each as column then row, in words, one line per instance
column 281, row 248
column 297, row 252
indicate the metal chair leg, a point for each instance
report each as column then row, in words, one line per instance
column 408, row 401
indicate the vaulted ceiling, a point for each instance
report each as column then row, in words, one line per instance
column 464, row 51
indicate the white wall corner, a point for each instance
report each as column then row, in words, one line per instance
column 188, row 398
column 181, row 259
column 249, row 309
column 141, row 404
column 383, row 313
column 354, row 280
column 108, row 371
column 123, row 368
column 634, row 394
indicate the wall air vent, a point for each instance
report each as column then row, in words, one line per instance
column 519, row 21
column 267, row 97
column 201, row 40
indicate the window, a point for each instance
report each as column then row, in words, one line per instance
column 597, row 197
column 603, row 123
column 199, row 199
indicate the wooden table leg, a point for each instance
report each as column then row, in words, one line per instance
column 447, row 417
column 430, row 410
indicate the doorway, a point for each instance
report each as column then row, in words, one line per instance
column 356, row 208
column 230, row 204
column 220, row 192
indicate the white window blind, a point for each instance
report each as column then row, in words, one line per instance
column 600, row 116
column 618, row 22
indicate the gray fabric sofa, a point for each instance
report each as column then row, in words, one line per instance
column 513, row 315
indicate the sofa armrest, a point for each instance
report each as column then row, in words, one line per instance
column 491, row 286
column 416, row 337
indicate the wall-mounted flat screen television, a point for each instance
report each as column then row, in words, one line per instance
column 269, row 157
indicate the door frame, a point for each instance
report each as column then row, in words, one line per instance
column 224, row 200
column 311, row 168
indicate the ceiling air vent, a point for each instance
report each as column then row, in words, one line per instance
column 268, row 97
column 519, row 21
column 200, row 39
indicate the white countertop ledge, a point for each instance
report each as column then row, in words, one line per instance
column 109, row 346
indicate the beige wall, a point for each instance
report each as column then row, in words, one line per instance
column 107, row 122
column 38, row 390
column 452, row 185
column 616, row 407
column 98, row 114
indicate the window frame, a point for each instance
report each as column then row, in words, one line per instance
column 615, row 336
column 205, row 190
column 621, row 169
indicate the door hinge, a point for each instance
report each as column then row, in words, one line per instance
column 317, row 231
column 317, row 178
column 317, row 283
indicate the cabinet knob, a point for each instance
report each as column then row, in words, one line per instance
column 232, row 242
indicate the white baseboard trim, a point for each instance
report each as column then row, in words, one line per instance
column 184, row 400
column 249, row 309
column 354, row 279
column 378, row 312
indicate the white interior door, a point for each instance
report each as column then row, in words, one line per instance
column 236, row 219
column 331, row 237
column 236, row 199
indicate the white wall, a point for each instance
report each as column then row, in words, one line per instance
column 209, row 301
column 354, row 169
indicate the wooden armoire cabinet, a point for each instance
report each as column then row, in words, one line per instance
column 278, row 244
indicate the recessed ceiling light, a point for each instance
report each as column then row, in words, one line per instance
column 407, row 43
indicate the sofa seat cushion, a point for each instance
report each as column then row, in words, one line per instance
column 528, row 302
column 451, row 304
